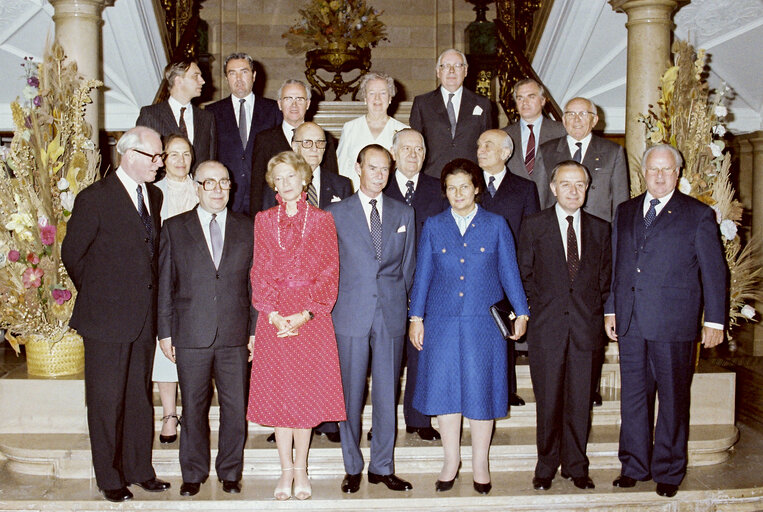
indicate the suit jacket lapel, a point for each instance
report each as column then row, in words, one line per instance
column 555, row 246
column 193, row 225
column 592, row 154
column 168, row 118
column 438, row 107
column 358, row 219
column 229, row 118
column 467, row 107
column 125, row 203
column 390, row 222
column 257, row 120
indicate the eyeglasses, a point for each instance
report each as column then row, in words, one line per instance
column 300, row 100
column 415, row 149
column 452, row 67
column 307, row 143
column 654, row 171
column 210, row 184
column 154, row 157
column 583, row 116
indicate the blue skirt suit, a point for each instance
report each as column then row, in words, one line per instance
column 463, row 363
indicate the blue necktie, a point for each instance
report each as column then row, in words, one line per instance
column 578, row 156
column 491, row 186
column 651, row 213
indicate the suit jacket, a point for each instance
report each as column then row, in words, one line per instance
column 666, row 275
column 107, row 254
column 605, row 161
column 160, row 118
column 230, row 151
column 514, row 200
column 427, row 199
column 199, row 303
column 560, row 309
column 268, row 144
column 365, row 282
column 333, row 188
column 429, row 116
column 549, row 129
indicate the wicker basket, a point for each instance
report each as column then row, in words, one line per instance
column 65, row 357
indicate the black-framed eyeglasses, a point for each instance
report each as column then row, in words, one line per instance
column 153, row 157
column 210, row 184
column 307, row 143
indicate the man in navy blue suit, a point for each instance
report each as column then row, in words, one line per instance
column 238, row 119
column 668, row 267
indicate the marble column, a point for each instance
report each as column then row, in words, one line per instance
column 78, row 30
column 649, row 32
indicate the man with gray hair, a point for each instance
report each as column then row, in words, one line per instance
column 238, row 119
column 293, row 101
column 451, row 117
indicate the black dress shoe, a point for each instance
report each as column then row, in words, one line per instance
column 482, row 488
column 190, row 488
column 583, row 482
column 596, row 399
column 516, row 400
column 153, row 485
column 392, row 482
column 425, row 433
column 271, row 438
column 331, row 436
column 351, row 483
column 231, row 486
column 117, row 495
column 370, row 434
column 624, row 481
column 541, row 484
column 667, row 490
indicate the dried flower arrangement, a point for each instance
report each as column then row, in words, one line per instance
column 688, row 118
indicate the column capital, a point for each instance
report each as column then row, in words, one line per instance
column 634, row 6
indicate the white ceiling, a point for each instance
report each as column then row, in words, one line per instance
column 583, row 53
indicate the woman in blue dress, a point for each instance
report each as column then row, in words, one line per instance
column 465, row 263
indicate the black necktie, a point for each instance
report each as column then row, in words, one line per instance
column 491, row 186
column 181, row 124
column 376, row 229
column 573, row 261
column 409, row 192
column 578, row 156
column 651, row 213
column 146, row 219
column 451, row 115
column 530, row 154
column 242, row 125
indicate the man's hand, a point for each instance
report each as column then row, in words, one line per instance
column 416, row 334
column 250, row 346
column 520, row 327
column 711, row 337
column 167, row 349
column 610, row 327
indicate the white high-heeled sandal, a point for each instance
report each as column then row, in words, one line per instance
column 303, row 493
column 284, row 493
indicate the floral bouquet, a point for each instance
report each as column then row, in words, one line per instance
column 341, row 23
column 51, row 158
column 688, row 119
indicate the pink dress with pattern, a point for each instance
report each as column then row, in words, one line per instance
column 296, row 381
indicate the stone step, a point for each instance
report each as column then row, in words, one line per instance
column 513, row 449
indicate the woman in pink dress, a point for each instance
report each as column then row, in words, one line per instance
column 296, row 383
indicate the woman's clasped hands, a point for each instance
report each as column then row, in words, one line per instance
column 288, row 325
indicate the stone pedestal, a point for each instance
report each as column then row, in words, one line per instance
column 78, row 30
column 649, row 31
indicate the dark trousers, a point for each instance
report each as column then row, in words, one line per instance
column 561, row 377
column 649, row 368
column 413, row 418
column 197, row 367
column 120, row 412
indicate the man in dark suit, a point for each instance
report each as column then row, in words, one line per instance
column 669, row 268
column 327, row 187
column 509, row 196
column 530, row 132
column 422, row 192
column 238, row 120
column 205, row 320
column 451, row 117
column 293, row 100
column 178, row 115
column 604, row 159
column 564, row 256
column 376, row 263
column 110, row 253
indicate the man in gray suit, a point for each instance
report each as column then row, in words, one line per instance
column 376, row 263
column 529, row 133
column 205, row 320
column 604, row 159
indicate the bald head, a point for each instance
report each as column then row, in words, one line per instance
column 312, row 135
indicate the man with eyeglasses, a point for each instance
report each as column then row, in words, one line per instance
column 110, row 252
column 451, row 118
column 532, row 130
column 604, row 159
column 238, row 119
column 205, row 321
column 178, row 115
column 293, row 100
column 669, row 269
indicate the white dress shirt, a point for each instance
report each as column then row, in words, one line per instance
column 175, row 105
column 525, row 131
column 364, row 201
column 248, row 107
column 402, row 182
column 132, row 188
column 205, row 217
column 658, row 208
column 498, row 179
column 317, row 183
column 571, row 142
column 456, row 98
column 288, row 131
column 561, row 216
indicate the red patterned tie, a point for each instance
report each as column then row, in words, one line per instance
column 530, row 154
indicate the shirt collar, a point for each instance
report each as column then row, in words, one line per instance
column 205, row 216
column 456, row 95
column 402, row 181
column 562, row 215
column 248, row 100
